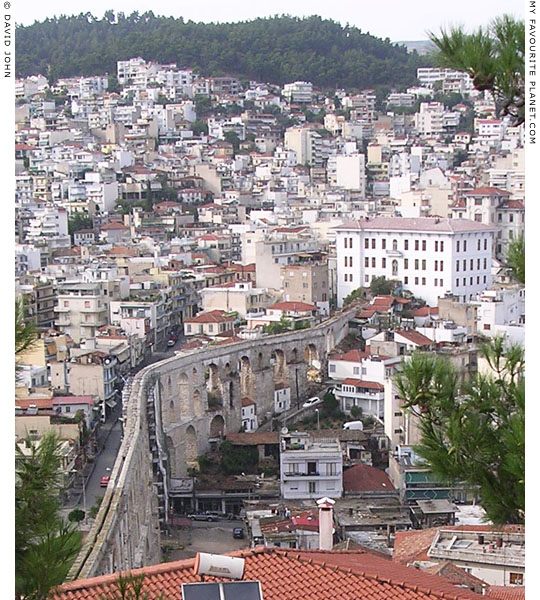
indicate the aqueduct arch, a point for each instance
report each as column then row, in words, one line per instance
column 191, row 447
column 217, row 427
column 247, row 379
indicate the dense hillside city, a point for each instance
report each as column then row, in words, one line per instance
column 270, row 314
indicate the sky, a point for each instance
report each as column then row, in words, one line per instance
column 399, row 20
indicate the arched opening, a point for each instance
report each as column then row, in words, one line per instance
column 197, row 404
column 217, row 427
column 231, row 394
column 394, row 245
column 183, row 395
column 311, row 357
column 394, row 268
column 330, row 341
column 213, row 387
column 281, row 370
column 191, row 449
column 260, row 360
column 246, row 378
column 294, row 356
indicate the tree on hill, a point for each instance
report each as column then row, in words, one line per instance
column 516, row 258
column 495, row 59
column 79, row 221
column 276, row 50
column 473, row 432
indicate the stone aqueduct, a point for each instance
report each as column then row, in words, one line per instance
column 172, row 411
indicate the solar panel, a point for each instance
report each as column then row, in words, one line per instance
column 235, row 590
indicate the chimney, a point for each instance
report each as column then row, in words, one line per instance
column 326, row 523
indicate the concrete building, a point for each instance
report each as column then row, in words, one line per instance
column 366, row 395
column 351, row 172
column 298, row 92
column 209, row 324
column 240, row 297
column 307, row 144
column 310, row 468
column 249, row 415
column 431, row 257
column 307, row 282
column 502, row 312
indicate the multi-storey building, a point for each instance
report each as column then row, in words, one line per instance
column 306, row 282
column 307, row 144
column 429, row 256
column 310, row 468
column 298, row 92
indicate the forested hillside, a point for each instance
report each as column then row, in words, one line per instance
column 274, row 50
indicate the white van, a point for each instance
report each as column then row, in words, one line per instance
column 354, row 425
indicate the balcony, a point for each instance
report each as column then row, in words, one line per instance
column 396, row 253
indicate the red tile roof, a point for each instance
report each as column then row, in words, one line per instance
column 371, row 385
column 73, row 400
column 486, row 191
column 351, row 356
column 213, row 316
column 414, row 337
column 425, row 311
column 363, row 478
column 288, row 575
column 293, row 306
column 500, row 592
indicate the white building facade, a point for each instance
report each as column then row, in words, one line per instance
column 431, row 257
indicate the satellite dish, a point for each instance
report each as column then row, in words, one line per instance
column 284, row 431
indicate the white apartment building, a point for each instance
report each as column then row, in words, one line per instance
column 502, row 312
column 351, row 172
column 282, row 397
column 429, row 256
column 309, row 468
column 47, row 221
column 298, row 92
column 428, row 76
column 367, row 395
column 249, row 415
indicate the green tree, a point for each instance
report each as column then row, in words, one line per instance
column 25, row 333
column 79, row 221
column 76, row 515
column 473, row 432
column 354, row 295
column 495, row 59
column 330, row 406
column 516, row 258
column 45, row 546
column 381, row 285
column 238, row 459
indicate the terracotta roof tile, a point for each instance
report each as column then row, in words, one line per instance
column 501, row 592
column 286, row 575
column 363, row 478
column 414, row 337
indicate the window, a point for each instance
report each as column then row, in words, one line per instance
column 332, row 368
column 471, row 262
column 436, row 246
column 366, row 243
column 471, row 280
column 499, row 217
column 423, row 281
column 478, row 201
column 441, row 282
column 373, row 262
column 384, row 263
column 485, row 263
column 457, row 282
column 478, row 280
column 436, row 265
column 356, row 370
column 441, row 265
column 416, row 264
column 511, row 217
column 457, row 246
column 406, row 263
column 416, row 281
column 442, row 246
column 464, row 245
column 485, row 279
column 211, row 327
column 405, row 280
column 366, row 262
column 478, row 263
column 457, row 265
column 346, row 260
column 394, row 268
column 350, row 242
column 66, row 303
column 383, row 241
column 345, row 242
column 464, row 281
column 511, row 235
column 416, row 245
column 373, row 243
column 516, row 578
column 423, row 245
column 424, row 262
column 478, row 218
column 366, row 279
column 406, row 243
column 312, row 487
column 478, row 245
column 87, row 304
column 435, row 282
column 350, row 261
column 331, row 469
column 305, row 285
column 394, row 245
column 464, row 265
column 345, row 278
column 485, row 243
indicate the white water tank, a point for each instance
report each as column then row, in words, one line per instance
column 219, row 565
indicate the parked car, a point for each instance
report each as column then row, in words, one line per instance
column 238, row 533
column 202, row 517
column 312, row 402
column 354, row 425
column 104, row 481
column 171, row 343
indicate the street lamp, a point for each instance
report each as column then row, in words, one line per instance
column 318, row 423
